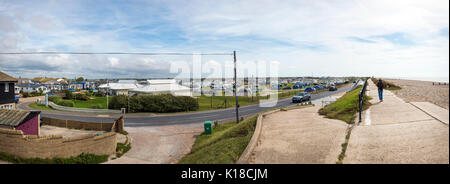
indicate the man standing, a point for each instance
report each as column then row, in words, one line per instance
column 380, row 86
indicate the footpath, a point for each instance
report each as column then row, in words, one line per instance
column 396, row 132
column 299, row 136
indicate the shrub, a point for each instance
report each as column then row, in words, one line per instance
column 81, row 96
column 155, row 103
column 68, row 94
column 26, row 94
column 100, row 94
column 67, row 103
column 54, row 99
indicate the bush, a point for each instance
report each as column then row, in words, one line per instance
column 54, row 99
column 155, row 103
column 68, row 94
column 25, row 94
column 81, row 96
column 99, row 94
column 67, row 103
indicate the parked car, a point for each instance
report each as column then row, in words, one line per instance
column 287, row 88
column 332, row 88
column 310, row 89
column 300, row 97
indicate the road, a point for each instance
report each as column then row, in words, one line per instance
column 136, row 120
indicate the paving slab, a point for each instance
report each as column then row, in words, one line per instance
column 396, row 132
column 392, row 109
column 299, row 136
column 423, row 142
column 159, row 144
column 433, row 110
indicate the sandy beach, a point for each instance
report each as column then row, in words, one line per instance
column 421, row 91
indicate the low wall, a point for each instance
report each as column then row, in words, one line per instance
column 73, row 109
column 13, row 142
column 81, row 124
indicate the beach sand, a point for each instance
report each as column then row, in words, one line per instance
column 422, row 91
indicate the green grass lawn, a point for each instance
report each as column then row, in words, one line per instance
column 224, row 146
column 41, row 107
column 346, row 107
column 92, row 101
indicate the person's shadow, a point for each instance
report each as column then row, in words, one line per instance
column 376, row 103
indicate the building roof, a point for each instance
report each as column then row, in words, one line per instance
column 118, row 86
column 161, row 88
column 161, row 81
column 6, row 78
column 15, row 118
column 31, row 85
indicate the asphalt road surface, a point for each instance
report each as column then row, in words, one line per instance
column 186, row 118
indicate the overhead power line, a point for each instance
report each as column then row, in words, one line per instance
column 112, row 53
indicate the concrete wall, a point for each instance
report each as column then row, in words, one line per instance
column 14, row 142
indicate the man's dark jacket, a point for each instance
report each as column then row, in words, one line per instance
column 380, row 84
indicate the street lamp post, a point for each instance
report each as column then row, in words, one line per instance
column 235, row 88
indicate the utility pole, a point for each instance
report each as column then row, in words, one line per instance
column 235, row 88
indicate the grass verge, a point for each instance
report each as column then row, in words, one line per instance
column 346, row 107
column 224, row 146
column 121, row 149
column 84, row 158
column 41, row 107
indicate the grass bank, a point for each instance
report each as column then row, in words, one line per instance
column 41, row 107
column 80, row 159
column 346, row 107
column 97, row 102
column 224, row 146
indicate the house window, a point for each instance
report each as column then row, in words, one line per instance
column 6, row 87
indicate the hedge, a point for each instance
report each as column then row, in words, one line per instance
column 54, row 98
column 154, row 103
column 67, row 103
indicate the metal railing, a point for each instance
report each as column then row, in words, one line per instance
column 361, row 99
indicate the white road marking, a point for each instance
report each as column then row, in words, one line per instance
column 367, row 120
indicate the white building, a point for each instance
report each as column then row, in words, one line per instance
column 120, row 88
column 32, row 88
column 154, row 87
column 163, row 86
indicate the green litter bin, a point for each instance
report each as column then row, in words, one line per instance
column 208, row 127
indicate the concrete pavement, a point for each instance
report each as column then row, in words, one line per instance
column 396, row 132
column 299, row 136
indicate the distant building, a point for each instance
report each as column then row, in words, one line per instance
column 7, row 91
column 27, row 121
column 78, row 85
column 155, row 87
column 33, row 88
column 162, row 86
column 120, row 88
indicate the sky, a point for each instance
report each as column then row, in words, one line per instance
column 382, row 38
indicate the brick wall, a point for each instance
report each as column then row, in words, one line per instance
column 14, row 142
column 78, row 124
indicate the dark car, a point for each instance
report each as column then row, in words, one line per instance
column 287, row 88
column 310, row 89
column 301, row 97
column 332, row 88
